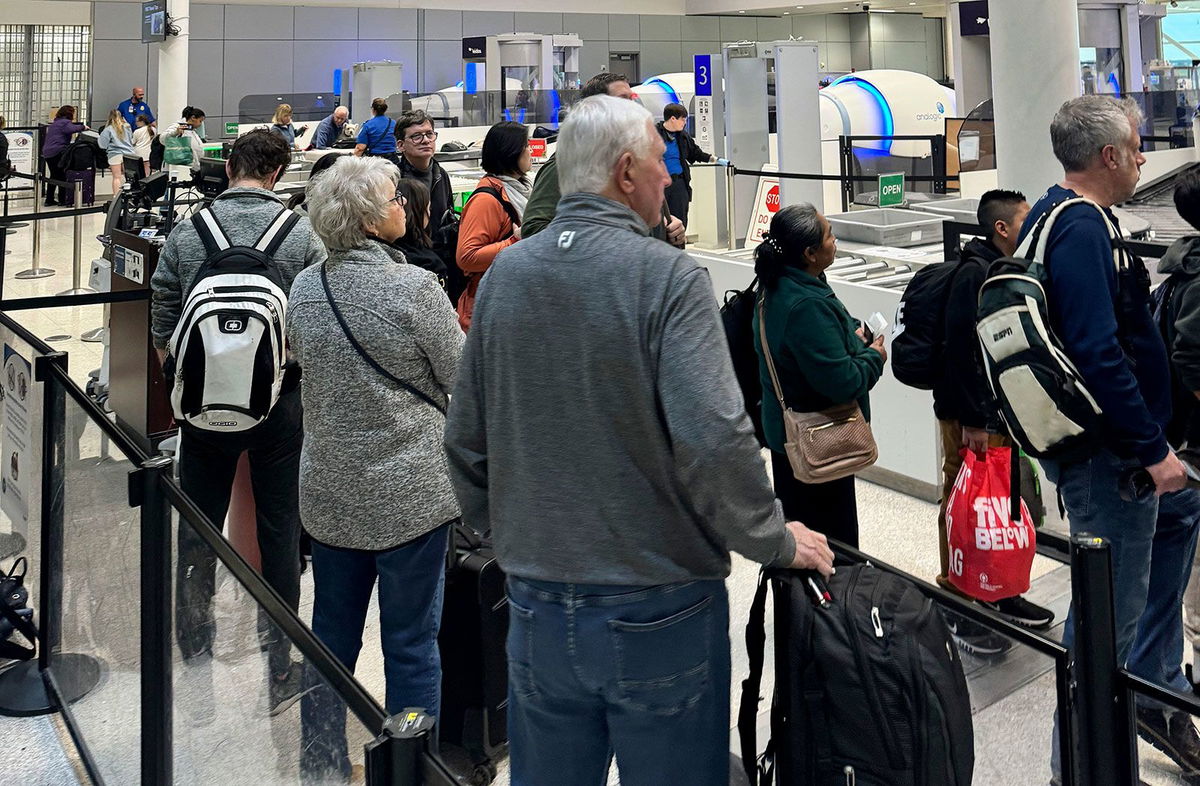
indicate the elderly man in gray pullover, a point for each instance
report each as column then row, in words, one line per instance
column 597, row 429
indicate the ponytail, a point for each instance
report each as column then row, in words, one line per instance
column 769, row 261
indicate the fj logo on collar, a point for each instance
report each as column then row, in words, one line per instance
column 566, row 239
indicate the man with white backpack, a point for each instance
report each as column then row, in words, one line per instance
column 218, row 318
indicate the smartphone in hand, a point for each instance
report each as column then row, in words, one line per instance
column 874, row 326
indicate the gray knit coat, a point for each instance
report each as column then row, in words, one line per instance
column 373, row 471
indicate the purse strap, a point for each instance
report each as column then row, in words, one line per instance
column 337, row 313
column 762, row 332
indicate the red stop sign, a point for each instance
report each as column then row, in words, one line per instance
column 537, row 148
column 773, row 199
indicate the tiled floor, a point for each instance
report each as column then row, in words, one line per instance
column 229, row 739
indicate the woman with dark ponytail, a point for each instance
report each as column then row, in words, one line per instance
column 820, row 354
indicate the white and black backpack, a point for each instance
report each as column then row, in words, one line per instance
column 1043, row 398
column 229, row 348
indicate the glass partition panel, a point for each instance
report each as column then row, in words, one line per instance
column 233, row 717
column 98, row 578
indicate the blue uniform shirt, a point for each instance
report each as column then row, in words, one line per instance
column 131, row 111
column 671, row 157
column 379, row 135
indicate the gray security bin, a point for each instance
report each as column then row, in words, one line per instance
column 961, row 210
column 888, row 227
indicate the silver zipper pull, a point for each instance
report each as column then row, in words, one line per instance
column 848, row 771
column 876, row 622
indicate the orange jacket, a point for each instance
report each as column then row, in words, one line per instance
column 485, row 231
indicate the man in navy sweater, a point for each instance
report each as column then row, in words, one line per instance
column 1104, row 322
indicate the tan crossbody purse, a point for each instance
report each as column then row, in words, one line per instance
column 826, row 445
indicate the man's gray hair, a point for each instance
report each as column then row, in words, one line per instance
column 1085, row 126
column 598, row 131
column 353, row 192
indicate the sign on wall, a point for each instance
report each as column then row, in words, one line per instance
column 537, row 148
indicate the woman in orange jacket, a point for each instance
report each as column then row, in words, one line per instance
column 491, row 220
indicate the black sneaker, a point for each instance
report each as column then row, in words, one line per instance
column 1173, row 733
column 287, row 690
column 1021, row 612
column 976, row 639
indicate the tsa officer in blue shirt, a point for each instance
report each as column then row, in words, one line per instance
column 377, row 136
column 135, row 105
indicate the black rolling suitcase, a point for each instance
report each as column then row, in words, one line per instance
column 474, row 712
column 869, row 689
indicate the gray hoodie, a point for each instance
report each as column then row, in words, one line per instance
column 1183, row 261
column 596, row 425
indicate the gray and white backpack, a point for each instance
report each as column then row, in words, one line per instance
column 228, row 352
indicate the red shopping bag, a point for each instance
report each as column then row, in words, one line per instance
column 990, row 554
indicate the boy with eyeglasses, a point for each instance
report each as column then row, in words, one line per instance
column 416, row 140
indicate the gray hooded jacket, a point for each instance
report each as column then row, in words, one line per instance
column 596, row 426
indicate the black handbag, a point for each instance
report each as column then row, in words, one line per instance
column 15, row 614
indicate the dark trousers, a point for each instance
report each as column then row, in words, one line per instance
column 57, row 172
column 678, row 199
column 207, row 465
column 829, row 508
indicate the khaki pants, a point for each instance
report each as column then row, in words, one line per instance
column 951, row 432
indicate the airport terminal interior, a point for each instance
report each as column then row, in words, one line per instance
column 892, row 117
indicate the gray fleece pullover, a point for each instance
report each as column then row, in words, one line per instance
column 596, row 426
column 244, row 215
column 373, row 470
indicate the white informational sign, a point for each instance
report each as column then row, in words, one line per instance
column 704, row 122
column 766, row 205
column 20, row 151
column 16, row 448
column 129, row 263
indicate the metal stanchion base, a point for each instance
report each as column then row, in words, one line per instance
column 37, row 272
column 93, row 336
column 23, row 691
column 79, row 291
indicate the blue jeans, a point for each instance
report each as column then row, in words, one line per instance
column 642, row 672
column 411, row 581
column 1152, row 541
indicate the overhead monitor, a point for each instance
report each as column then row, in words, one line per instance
column 212, row 180
column 154, row 21
column 131, row 166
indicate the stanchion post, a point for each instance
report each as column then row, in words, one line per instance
column 394, row 757
column 730, row 175
column 54, row 440
column 35, row 269
column 145, row 489
column 1104, row 739
column 77, row 287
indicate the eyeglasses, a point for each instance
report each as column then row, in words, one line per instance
column 399, row 199
column 421, row 136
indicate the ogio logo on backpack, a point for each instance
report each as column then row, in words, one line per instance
column 233, row 326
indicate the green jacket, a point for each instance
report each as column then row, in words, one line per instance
column 820, row 360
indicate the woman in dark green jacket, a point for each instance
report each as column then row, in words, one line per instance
column 820, row 354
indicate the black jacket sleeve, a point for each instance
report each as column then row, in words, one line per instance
column 693, row 152
column 967, row 392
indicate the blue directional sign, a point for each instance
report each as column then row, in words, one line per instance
column 702, row 69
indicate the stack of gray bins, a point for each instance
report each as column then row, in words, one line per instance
column 888, row 227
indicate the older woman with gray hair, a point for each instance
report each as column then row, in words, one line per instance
column 820, row 355
column 379, row 346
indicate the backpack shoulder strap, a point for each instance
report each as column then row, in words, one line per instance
column 508, row 208
column 277, row 231
column 1037, row 240
column 756, row 641
column 211, row 233
column 372, row 362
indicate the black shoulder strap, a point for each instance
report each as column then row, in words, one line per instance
column 337, row 314
column 211, row 233
column 756, row 641
column 508, row 208
column 1014, row 483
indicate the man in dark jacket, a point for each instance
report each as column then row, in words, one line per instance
column 962, row 398
column 1107, row 331
column 682, row 151
column 416, row 140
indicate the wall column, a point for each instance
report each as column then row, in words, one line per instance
column 1024, row 157
column 171, row 95
column 971, row 65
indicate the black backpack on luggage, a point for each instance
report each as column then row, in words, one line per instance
column 869, row 688
column 737, row 316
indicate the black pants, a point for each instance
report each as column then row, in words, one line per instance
column 678, row 199
column 829, row 508
column 56, row 173
column 207, row 465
